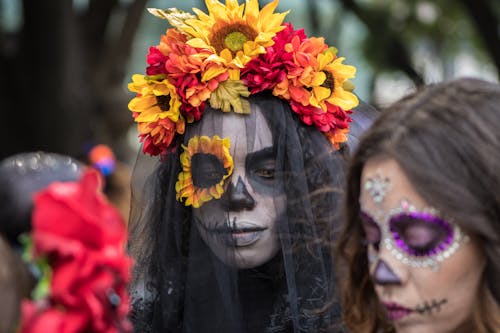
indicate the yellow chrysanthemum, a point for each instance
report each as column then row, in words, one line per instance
column 213, row 154
column 235, row 33
column 328, row 85
column 156, row 99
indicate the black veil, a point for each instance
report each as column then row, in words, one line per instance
column 181, row 286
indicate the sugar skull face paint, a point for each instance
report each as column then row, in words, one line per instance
column 425, row 269
column 420, row 238
column 240, row 225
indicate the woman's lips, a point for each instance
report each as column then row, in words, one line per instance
column 395, row 311
column 238, row 234
column 246, row 237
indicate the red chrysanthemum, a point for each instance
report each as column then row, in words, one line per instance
column 156, row 61
column 157, row 136
column 334, row 118
column 269, row 69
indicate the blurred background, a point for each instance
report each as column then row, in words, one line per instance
column 65, row 64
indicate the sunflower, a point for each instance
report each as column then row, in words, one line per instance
column 212, row 163
column 156, row 111
column 156, row 99
column 235, row 33
column 334, row 75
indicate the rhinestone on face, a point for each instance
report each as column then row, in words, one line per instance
column 377, row 187
column 432, row 261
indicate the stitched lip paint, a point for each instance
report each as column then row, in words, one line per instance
column 395, row 311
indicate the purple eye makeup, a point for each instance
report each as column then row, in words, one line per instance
column 420, row 234
column 371, row 229
column 416, row 237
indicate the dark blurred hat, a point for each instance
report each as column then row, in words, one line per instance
column 21, row 176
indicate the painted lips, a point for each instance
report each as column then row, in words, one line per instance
column 243, row 234
column 395, row 311
column 247, row 236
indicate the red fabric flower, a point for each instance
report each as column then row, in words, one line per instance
column 83, row 237
column 271, row 68
column 45, row 319
column 334, row 118
column 156, row 61
column 157, row 136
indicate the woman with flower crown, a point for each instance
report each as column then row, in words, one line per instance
column 247, row 123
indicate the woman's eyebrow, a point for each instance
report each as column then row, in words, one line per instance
column 267, row 152
column 371, row 216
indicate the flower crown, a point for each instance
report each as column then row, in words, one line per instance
column 222, row 57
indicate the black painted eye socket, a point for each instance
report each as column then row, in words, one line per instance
column 206, row 170
column 265, row 172
column 421, row 234
column 262, row 171
column 371, row 229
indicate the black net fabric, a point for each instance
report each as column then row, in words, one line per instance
column 213, row 268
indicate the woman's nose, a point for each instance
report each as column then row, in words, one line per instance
column 237, row 197
column 384, row 275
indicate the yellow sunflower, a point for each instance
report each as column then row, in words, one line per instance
column 330, row 88
column 156, row 99
column 235, row 33
column 212, row 164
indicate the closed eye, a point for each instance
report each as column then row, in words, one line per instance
column 371, row 230
column 421, row 234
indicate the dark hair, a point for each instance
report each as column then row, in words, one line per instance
column 446, row 139
column 162, row 236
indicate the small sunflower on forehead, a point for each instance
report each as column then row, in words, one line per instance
column 221, row 57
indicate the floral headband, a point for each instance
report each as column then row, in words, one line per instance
column 220, row 58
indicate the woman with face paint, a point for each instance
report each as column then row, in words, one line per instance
column 232, row 219
column 421, row 247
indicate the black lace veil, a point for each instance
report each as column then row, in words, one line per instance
column 180, row 285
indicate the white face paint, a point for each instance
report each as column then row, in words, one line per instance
column 416, row 299
column 241, row 227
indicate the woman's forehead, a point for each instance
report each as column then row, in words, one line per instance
column 247, row 132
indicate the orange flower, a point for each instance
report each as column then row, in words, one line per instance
column 191, row 72
column 157, row 136
column 317, row 76
column 337, row 136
